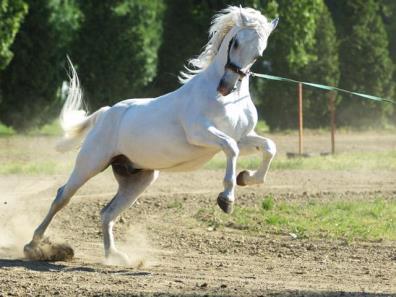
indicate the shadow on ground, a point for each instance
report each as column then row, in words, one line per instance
column 268, row 294
column 43, row 266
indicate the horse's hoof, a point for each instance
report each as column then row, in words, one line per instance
column 226, row 205
column 31, row 251
column 48, row 251
column 241, row 179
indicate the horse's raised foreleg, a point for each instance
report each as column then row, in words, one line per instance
column 212, row 137
column 131, row 185
column 252, row 144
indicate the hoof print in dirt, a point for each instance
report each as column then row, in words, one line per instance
column 48, row 251
column 226, row 205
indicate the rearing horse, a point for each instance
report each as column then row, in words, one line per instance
column 212, row 111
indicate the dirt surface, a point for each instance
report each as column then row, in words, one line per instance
column 173, row 254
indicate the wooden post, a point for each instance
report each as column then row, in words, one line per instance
column 332, row 98
column 300, row 120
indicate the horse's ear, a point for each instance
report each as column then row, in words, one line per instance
column 274, row 23
column 243, row 16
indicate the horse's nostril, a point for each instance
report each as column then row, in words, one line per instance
column 223, row 90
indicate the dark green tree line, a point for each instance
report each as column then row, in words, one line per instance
column 324, row 69
column 365, row 63
column 130, row 48
column 185, row 32
column 31, row 82
column 389, row 16
column 294, row 52
column 12, row 13
column 116, row 48
column 185, row 28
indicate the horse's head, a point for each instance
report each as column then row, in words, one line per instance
column 244, row 48
column 238, row 36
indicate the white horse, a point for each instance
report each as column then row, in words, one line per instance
column 212, row 111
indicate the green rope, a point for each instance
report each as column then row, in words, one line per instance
column 323, row 87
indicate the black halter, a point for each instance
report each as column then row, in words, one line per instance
column 233, row 67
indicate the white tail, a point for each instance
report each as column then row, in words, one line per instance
column 74, row 119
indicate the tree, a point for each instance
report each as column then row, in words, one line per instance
column 325, row 69
column 116, row 48
column 389, row 17
column 30, row 84
column 12, row 13
column 365, row 62
column 186, row 26
column 291, row 49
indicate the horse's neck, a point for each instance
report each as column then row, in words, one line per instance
column 220, row 60
column 216, row 69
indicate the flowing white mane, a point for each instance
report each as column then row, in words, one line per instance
column 222, row 23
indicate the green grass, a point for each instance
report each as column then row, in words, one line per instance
column 175, row 204
column 262, row 127
column 51, row 129
column 359, row 161
column 268, row 203
column 383, row 160
column 6, row 131
column 31, row 168
column 350, row 220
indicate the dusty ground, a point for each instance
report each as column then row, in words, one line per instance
column 175, row 255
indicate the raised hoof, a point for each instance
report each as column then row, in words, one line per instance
column 240, row 178
column 48, row 251
column 226, row 205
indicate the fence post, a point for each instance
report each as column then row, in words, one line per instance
column 332, row 98
column 300, row 120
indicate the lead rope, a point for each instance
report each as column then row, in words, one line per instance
column 319, row 86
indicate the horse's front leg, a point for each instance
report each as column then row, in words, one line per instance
column 214, row 138
column 251, row 144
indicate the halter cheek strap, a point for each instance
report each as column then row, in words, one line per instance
column 233, row 67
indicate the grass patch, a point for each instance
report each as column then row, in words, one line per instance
column 31, row 168
column 268, row 203
column 350, row 220
column 51, row 129
column 6, row 131
column 384, row 160
column 175, row 205
column 262, row 127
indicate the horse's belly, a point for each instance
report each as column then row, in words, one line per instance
column 191, row 164
column 160, row 143
column 152, row 155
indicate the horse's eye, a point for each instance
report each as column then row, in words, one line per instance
column 236, row 44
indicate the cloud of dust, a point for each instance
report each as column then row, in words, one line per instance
column 137, row 247
column 24, row 201
column 16, row 230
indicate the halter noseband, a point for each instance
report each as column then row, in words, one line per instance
column 233, row 67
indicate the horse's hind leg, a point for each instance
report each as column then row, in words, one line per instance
column 131, row 185
column 88, row 164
